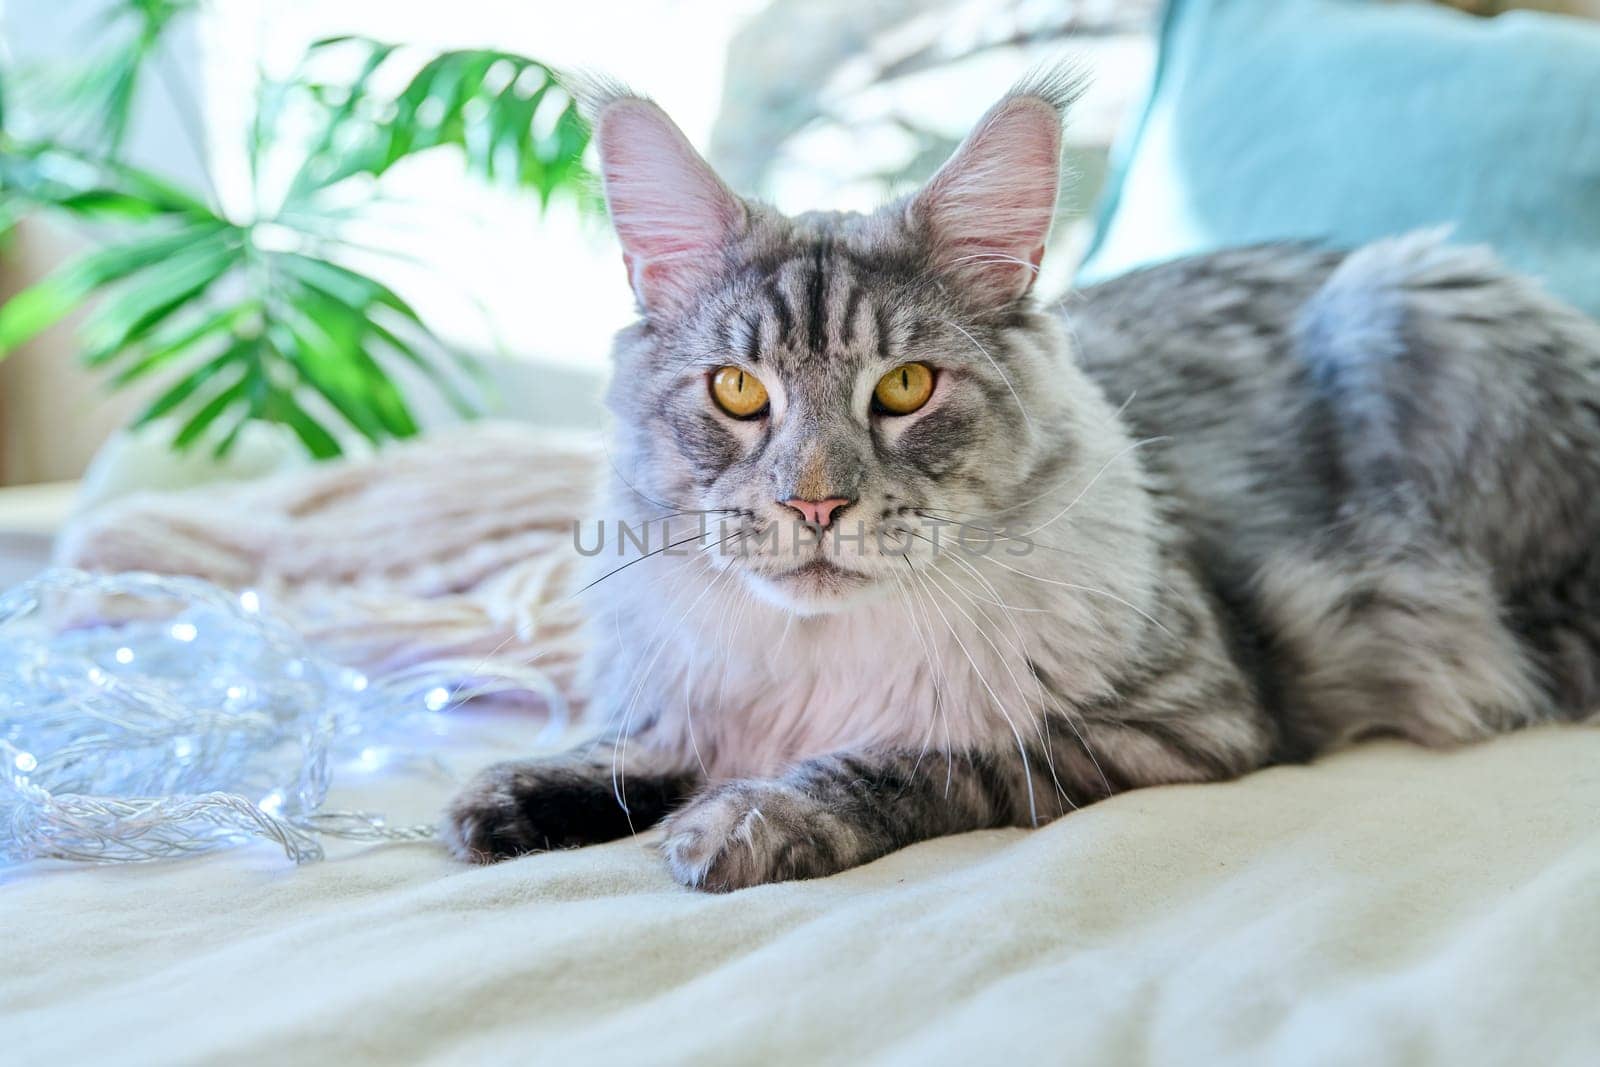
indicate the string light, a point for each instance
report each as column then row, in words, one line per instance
column 146, row 717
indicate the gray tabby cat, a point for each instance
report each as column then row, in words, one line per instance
column 1250, row 506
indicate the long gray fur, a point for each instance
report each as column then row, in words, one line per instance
column 1283, row 498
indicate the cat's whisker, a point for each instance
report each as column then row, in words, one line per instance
column 927, row 734
column 994, row 534
column 732, row 622
column 605, row 447
column 642, row 495
column 689, row 677
column 1022, row 748
column 648, row 555
column 1044, row 704
column 1027, row 418
column 623, row 726
column 933, row 573
column 1092, row 481
column 1089, row 589
column 688, row 706
column 1122, row 407
column 619, row 766
column 682, row 579
column 515, row 634
column 930, row 660
column 996, row 602
column 1056, row 486
column 996, row 257
column 941, row 685
column 783, row 638
column 935, row 672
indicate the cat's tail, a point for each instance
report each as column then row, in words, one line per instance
column 1392, row 341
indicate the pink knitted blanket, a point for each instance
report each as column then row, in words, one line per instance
column 459, row 545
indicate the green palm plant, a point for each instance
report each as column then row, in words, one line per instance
column 256, row 317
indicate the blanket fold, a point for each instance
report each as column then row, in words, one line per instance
column 459, row 545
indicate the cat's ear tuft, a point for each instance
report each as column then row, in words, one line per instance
column 673, row 215
column 987, row 212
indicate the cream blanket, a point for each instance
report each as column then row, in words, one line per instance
column 1387, row 905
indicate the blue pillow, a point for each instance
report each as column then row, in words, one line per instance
column 1341, row 121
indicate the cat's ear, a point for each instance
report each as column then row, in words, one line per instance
column 987, row 212
column 672, row 213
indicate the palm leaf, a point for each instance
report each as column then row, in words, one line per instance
column 332, row 337
column 53, row 176
column 351, row 287
column 163, row 348
column 430, row 369
column 282, row 406
column 191, row 383
column 129, row 315
column 482, row 102
column 45, row 303
column 208, row 413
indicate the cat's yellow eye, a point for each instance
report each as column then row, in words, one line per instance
column 738, row 392
column 904, row 389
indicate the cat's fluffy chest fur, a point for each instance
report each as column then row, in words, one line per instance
column 744, row 688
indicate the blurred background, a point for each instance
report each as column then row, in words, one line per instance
column 270, row 230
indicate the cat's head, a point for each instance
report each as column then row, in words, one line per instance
column 870, row 372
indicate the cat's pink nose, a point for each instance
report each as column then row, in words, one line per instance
column 818, row 512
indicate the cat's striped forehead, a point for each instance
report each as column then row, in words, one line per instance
column 818, row 304
column 815, row 303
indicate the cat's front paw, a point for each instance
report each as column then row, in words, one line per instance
column 511, row 809
column 750, row 833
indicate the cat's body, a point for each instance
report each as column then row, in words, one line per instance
column 1387, row 464
column 1248, row 506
